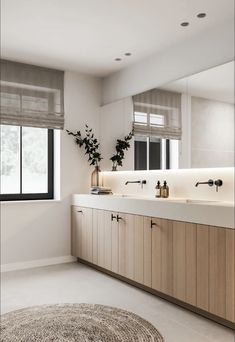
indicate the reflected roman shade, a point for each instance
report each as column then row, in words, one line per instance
column 31, row 96
column 157, row 113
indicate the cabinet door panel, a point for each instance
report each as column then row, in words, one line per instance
column 95, row 236
column 126, row 246
column 82, row 233
column 156, row 253
column 217, row 271
column 147, row 253
column 191, row 263
column 107, row 241
column 87, row 234
column 76, row 233
column 179, row 260
column 115, row 245
column 139, row 249
column 203, row 267
column 167, row 256
column 101, row 238
column 230, row 275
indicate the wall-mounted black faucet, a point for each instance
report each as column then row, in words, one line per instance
column 141, row 182
column 210, row 182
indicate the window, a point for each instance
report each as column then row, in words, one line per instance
column 152, row 153
column 32, row 106
column 26, row 163
column 157, row 129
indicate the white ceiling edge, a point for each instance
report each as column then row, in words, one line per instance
column 204, row 51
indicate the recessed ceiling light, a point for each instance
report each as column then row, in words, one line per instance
column 118, row 59
column 128, row 54
column 201, row 15
column 185, row 23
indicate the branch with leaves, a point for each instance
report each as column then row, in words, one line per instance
column 121, row 147
column 90, row 144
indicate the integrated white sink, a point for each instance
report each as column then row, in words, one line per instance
column 197, row 201
column 175, row 200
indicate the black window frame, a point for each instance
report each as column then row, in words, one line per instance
column 50, row 174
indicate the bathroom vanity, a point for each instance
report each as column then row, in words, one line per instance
column 179, row 249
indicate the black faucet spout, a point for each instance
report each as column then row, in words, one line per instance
column 141, row 182
column 210, row 182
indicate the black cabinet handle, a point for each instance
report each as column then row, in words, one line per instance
column 119, row 218
column 153, row 224
column 79, row 211
column 113, row 217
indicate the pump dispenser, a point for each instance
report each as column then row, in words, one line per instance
column 165, row 190
column 158, row 189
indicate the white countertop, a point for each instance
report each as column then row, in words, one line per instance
column 214, row 213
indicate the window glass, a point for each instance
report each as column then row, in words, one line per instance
column 34, row 160
column 10, row 159
column 140, row 153
column 157, row 119
column 154, row 154
column 141, row 118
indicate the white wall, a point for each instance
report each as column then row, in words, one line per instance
column 115, row 123
column 212, row 133
column 199, row 53
column 181, row 183
column 41, row 230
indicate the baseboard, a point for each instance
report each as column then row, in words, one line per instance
column 36, row 263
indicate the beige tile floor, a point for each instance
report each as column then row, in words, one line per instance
column 76, row 283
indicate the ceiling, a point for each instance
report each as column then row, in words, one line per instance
column 87, row 35
column 215, row 83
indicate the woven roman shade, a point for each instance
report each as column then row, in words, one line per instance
column 157, row 113
column 31, row 96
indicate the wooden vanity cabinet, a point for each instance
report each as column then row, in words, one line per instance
column 189, row 262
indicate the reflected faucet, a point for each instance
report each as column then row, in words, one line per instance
column 141, row 182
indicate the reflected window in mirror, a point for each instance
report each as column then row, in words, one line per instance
column 153, row 153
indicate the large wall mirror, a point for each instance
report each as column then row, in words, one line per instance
column 188, row 123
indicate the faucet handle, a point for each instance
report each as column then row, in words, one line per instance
column 218, row 182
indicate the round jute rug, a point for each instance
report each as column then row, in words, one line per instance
column 76, row 323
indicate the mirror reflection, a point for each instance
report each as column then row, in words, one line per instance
column 188, row 123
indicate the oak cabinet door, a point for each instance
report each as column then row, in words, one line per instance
column 230, row 275
column 156, row 253
column 184, row 261
column 215, row 270
column 126, row 246
column 203, row 267
column 95, row 228
column 76, row 233
column 82, row 233
column 162, row 255
column 104, row 238
column 115, row 244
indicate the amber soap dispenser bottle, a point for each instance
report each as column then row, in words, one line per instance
column 165, row 190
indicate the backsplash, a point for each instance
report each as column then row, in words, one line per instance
column 181, row 183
